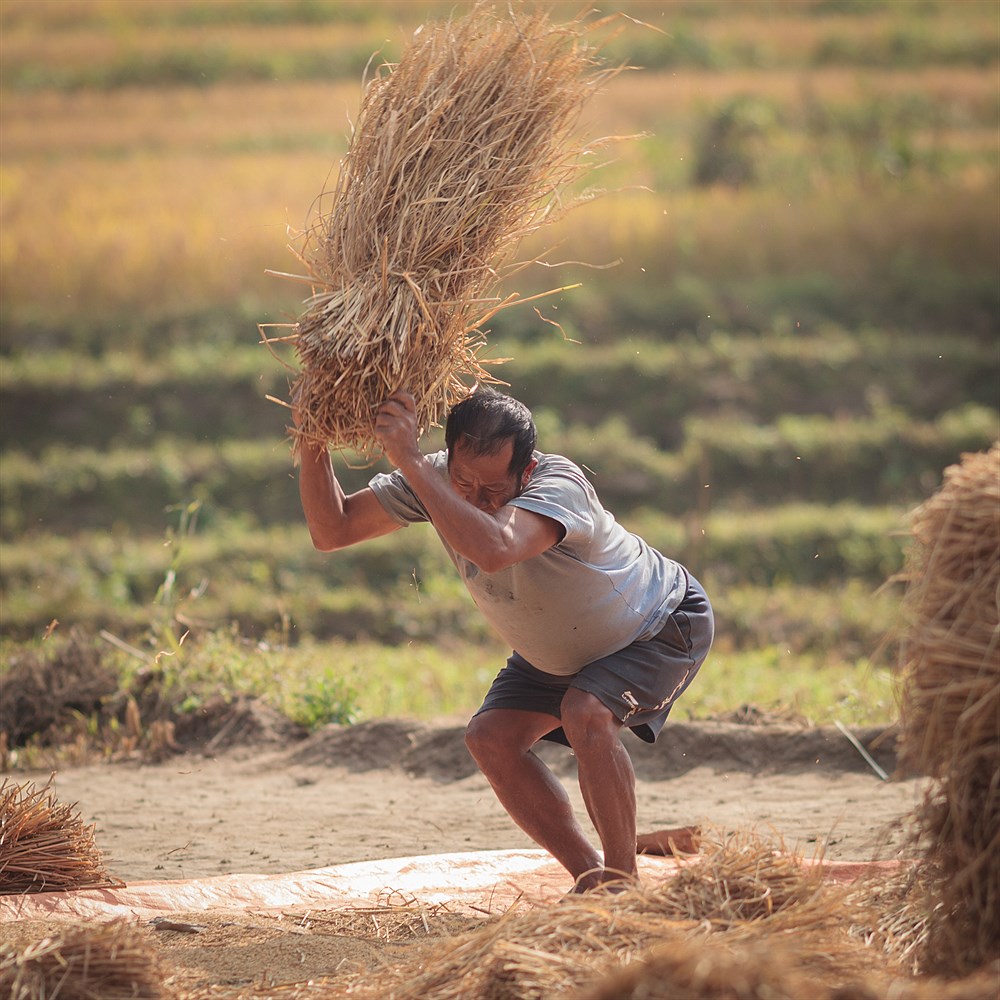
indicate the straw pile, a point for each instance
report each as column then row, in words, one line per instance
column 44, row 690
column 44, row 846
column 950, row 705
column 739, row 898
column 460, row 151
column 105, row 961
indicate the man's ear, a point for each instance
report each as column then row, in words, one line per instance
column 528, row 470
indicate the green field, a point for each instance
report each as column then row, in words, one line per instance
column 797, row 336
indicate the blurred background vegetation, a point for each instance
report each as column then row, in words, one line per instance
column 797, row 335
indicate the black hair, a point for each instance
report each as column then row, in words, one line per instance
column 486, row 420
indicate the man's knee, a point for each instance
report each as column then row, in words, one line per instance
column 492, row 734
column 505, row 733
column 480, row 736
column 586, row 719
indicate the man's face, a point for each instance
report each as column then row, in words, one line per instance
column 485, row 481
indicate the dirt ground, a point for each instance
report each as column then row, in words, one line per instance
column 395, row 789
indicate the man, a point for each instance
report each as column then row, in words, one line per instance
column 606, row 631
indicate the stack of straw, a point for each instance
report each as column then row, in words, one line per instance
column 45, row 846
column 459, row 152
column 791, row 931
column 950, row 704
column 106, row 961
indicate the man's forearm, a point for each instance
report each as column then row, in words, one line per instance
column 337, row 519
column 472, row 533
column 322, row 497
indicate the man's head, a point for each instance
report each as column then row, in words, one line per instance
column 491, row 441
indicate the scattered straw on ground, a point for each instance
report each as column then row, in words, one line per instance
column 740, row 893
column 460, row 151
column 950, row 705
column 100, row 961
column 390, row 922
column 44, row 845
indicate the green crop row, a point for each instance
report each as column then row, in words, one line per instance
column 656, row 386
column 722, row 462
column 804, row 543
column 72, row 15
column 195, row 48
column 798, row 458
column 402, row 587
column 198, row 65
column 318, row 682
column 126, row 400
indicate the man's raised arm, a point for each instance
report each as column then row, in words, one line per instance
column 336, row 519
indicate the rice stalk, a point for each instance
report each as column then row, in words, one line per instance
column 950, row 706
column 460, row 151
column 44, row 845
column 740, row 893
column 101, row 961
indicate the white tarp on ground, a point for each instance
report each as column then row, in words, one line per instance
column 484, row 882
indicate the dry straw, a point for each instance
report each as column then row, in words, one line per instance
column 103, row 961
column 44, row 845
column 741, row 897
column 950, row 705
column 460, row 151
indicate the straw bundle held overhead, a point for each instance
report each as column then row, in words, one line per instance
column 950, row 703
column 460, row 151
column 45, row 846
column 103, row 961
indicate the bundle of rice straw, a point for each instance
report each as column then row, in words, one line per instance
column 741, row 893
column 460, row 151
column 698, row 970
column 950, row 704
column 693, row 969
column 103, row 961
column 45, row 846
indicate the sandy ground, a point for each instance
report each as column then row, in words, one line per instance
column 394, row 789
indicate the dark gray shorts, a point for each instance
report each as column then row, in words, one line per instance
column 639, row 683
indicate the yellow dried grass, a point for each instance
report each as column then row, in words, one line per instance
column 950, row 706
column 692, row 969
column 44, row 845
column 460, row 151
column 102, row 961
column 740, row 896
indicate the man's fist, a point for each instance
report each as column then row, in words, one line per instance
column 396, row 428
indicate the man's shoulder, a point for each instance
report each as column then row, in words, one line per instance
column 558, row 466
column 439, row 459
column 556, row 476
column 397, row 496
column 551, row 462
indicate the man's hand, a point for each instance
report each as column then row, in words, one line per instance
column 296, row 407
column 396, row 429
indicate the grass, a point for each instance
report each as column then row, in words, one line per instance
column 179, row 193
column 156, row 44
column 316, row 683
column 156, row 154
column 801, row 688
column 427, row 681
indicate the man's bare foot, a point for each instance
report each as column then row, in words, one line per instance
column 677, row 841
column 602, row 880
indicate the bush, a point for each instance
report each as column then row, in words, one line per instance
column 729, row 147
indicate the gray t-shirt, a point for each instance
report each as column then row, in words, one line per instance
column 597, row 591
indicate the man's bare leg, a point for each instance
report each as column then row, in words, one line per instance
column 607, row 781
column 500, row 741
